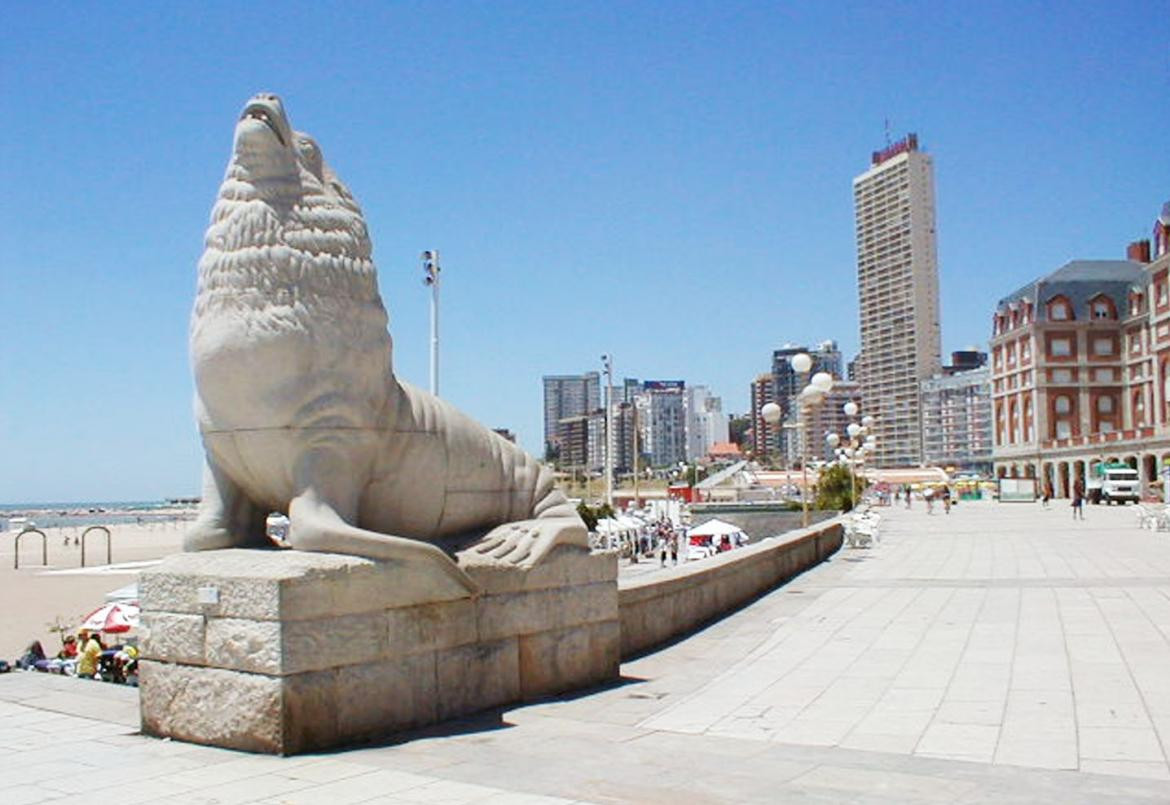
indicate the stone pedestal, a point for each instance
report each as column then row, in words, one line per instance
column 286, row 652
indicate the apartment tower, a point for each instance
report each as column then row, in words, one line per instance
column 897, row 286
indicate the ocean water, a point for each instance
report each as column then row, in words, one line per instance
column 55, row 514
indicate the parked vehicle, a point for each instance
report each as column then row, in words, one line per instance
column 1113, row 483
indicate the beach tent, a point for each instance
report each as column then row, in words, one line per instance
column 714, row 528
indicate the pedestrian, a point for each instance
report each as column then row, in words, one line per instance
column 928, row 495
column 946, row 499
column 909, row 492
column 1078, row 501
column 1047, row 496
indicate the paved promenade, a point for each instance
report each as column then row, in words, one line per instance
column 1002, row 653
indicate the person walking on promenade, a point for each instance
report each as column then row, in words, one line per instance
column 908, row 493
column 946, row 499
column 1047, row 496
column 1078, row 501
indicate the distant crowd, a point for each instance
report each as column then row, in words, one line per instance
column 86, row 656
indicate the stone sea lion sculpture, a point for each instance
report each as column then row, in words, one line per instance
column 296, row 402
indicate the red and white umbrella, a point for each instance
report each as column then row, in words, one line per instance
column 115, row 617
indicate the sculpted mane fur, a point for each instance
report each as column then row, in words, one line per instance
column 295, row 400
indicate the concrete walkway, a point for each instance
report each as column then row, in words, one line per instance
column 1002, row 653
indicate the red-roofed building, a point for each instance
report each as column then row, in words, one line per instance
column 725, row 451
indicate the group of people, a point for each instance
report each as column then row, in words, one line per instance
column 1078, row 497
column 929, row 494
column 87, row 657
column 667, row 539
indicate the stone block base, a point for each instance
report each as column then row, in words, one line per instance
column 286, row 652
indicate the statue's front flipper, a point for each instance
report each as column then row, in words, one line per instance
column 526, row 542
column 226, row 518
column 321, row 519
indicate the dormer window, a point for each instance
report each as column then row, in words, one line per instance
column 1101, row 307
column 1059, row 309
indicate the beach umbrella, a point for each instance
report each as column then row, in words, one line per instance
column 113, row 617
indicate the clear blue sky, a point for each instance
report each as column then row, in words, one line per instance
column 667, row 182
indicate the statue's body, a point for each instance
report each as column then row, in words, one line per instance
column 295, row 398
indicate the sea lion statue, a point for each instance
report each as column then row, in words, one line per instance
column 298, row 408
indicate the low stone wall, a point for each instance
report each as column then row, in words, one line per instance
column 675, row 601
column 287, row 652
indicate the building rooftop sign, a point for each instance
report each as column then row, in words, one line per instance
column 907, row 143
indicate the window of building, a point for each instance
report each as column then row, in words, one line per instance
column 1101, row 307
column 1160, row 290
column 1105, row 427
column 1102, row 346
column 1135, row 343
column 1058, row 310
column 1060, row 347
column 1062, row 404
column 1063, row 430
column 1104, row 405
column 1103, row 375
column 1062, row 375
column 1135, row 304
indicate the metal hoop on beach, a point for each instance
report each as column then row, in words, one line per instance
column 109, row 561
column 44, row 546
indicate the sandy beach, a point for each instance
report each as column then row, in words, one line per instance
column 35, row 597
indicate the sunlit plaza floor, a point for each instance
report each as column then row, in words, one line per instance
column 999, row 653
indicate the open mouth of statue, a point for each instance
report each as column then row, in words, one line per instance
column 259, row 112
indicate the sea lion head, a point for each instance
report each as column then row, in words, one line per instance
column 287, row 287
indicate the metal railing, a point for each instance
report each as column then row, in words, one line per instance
column 44, row 546
column 85, row 533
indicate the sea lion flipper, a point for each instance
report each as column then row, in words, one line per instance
column 526, row 542
column 226, row 519
column 315, row 525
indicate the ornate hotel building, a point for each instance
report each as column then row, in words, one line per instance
column 1080, row 368
column 897, row 284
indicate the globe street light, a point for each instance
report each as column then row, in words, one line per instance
column 771, row 412
column 858, row 444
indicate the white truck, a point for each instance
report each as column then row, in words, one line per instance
column 1111, row 483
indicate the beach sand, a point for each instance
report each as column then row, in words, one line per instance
column 35, row 597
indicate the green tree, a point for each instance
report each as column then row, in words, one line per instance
column 737, row 427
column 591, row 514
column 833, row 488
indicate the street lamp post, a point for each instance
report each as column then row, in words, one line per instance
column 853, row 449
column 607, row 362
column 810, row 396
column 431, row 268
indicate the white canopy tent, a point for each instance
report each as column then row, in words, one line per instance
column 714, row 528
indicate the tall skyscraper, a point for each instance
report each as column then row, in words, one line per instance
column 567, row 396
column 897, row 285
column 662, row 421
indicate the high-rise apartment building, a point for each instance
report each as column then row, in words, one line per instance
column 662, row 421
column 765, row 437
column 567, row 396
column 897, row 284
column 706, row 424
column 956, row 419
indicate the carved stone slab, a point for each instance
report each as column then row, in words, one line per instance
column 287, row 651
